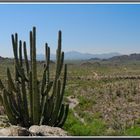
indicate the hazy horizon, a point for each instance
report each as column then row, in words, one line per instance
column 86, row 28
column 84, row 53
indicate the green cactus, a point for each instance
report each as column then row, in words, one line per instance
column 27, row 100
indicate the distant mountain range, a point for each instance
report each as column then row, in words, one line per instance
column 109, row 57
column 120, row 58
column 74, row 55
column 131, row 57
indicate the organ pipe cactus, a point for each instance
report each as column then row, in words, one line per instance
column 27, row 100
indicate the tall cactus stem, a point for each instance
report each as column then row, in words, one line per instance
column 26, row 57
column 36, row 95
column 20, row 53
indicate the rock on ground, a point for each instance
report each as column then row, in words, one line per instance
column 45, row 130
column 14, row 131
column 34, row 130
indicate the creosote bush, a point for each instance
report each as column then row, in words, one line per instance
column 28, row 101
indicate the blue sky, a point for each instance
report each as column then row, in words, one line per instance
column 87, row 28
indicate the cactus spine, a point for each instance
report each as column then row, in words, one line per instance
column 28, row 101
